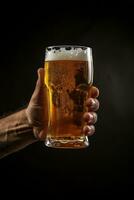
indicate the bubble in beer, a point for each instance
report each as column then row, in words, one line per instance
column 67, row 77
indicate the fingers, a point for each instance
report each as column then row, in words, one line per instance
column 89, row 130
column 39, row 82
column 92, row 104
column 90, row 117
column 93, row 92
column 38, row 92
column 40, row 134
column 41, row 74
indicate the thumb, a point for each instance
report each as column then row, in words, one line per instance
column 38, row 92
column 41, row 74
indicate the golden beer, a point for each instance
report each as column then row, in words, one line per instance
column 68, row 82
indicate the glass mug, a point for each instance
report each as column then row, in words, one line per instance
column 68, row 77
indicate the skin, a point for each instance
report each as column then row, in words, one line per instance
column 36, row 109
column 29, row 125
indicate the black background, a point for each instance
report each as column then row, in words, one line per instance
column 105, row 168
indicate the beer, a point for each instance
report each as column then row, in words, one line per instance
column 68, row 79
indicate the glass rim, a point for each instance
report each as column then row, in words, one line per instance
column 72, row 46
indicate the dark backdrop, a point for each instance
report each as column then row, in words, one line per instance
column 106, row 166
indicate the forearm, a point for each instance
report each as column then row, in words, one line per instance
column 15, row 133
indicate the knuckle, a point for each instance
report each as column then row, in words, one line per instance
column 93, row 118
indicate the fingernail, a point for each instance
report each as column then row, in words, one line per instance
column 89, row 130
column 86, row 129
column 92, row 130
column 90, row 117
column 93, row 104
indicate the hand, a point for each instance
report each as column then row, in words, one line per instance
column 90, row 117
column 37, row 112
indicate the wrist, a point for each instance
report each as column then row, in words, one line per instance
column 26, row 119
column 35, row 129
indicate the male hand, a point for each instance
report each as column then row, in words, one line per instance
column 37, row 112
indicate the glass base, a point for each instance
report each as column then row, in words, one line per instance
column 67, row 143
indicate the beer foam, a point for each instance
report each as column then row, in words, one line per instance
column 68, row 53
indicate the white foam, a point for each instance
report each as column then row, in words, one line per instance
column 73, row 54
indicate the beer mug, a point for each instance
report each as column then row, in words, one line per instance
column 68, row 77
